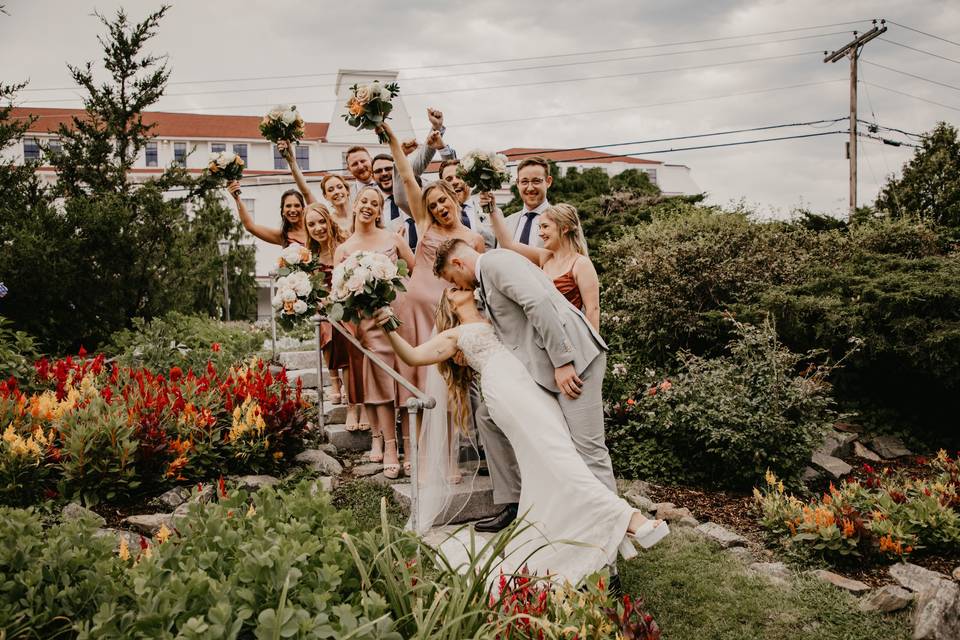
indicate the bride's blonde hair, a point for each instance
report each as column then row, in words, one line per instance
column 457, row 377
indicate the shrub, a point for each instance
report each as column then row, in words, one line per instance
column 888, row 514
column 187, row 342
column 18, row 351
column 725, row 420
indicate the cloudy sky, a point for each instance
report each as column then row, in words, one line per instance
column 579, row 74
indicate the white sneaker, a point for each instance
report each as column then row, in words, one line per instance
column 650, row 533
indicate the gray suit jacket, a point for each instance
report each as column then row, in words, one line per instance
column 513, row 221
column 533, row 319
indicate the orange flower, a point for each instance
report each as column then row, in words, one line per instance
column 355, row 107
column 631, row 401
column 848, row 529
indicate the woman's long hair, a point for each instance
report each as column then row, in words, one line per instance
column 353, row 226
column 446, row 188
column 335, row 235
column 457, row 377
column 285, row 225
column 565, row 217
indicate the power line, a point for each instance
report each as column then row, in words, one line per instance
column 929, row 53
column 930, row 35
column 543, row 82
column 913, row 75
column 885, row 128
column 502, row 60
column 910, row 95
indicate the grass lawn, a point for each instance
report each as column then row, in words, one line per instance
column 695, row 591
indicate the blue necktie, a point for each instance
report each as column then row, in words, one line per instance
column 412, row 234
column 464, row 218
column 525, row 233
column 394, row 209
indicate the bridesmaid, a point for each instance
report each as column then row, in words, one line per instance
column 324, row 236
column 337, row 192
column 379, row 389
column 436, row 211
column 563, row 256
column 291, row 218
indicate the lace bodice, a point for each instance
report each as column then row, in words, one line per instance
column 478, row 342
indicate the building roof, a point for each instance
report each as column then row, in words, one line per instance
column 515, row 154
column 172, row 125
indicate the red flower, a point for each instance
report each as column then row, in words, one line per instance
column 82, row 353
column 215, row 347
column 175, row 374
column 631, row 401
column 652, row 391
column 222, row 486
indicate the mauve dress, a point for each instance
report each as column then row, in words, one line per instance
column 378, row 386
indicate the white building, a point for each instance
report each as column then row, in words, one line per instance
column 189, row 139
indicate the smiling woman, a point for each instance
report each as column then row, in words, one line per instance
column 291, row 218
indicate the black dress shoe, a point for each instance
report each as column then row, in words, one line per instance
column 498, row 522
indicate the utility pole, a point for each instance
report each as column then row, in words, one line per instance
column 852, row 50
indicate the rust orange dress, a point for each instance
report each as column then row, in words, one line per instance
column 567, row 285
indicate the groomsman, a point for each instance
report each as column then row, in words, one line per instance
column 471, row 213
column 533, row 181
column 360, row 166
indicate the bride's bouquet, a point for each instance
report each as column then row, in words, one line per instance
column 363, row 283
column 484, row 171
column 283, row 122
column 225, row 166
column 370, row 105
column 299, row 286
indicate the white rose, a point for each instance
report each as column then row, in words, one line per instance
column 353, row 261
column 291, row 255
column 467, row 163
column 299, row 306
column 288, row 295
column 356, row 282
column 300, row 283
column 289, row 117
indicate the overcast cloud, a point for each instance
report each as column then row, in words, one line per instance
column 217, row 39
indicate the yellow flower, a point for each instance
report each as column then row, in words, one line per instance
column 124, row 551
column 251, row 511
column 8, row 435
column 163, row 534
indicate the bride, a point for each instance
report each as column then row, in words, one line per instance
column 575, row 524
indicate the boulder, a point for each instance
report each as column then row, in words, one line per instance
column 673, row 514
column 367, row 469
column 915, row 577
column 73, row 511
column 889, row 447
column 149, row 524
column 330, row 449
column 741, row 554
column 133, row 539
column 721, row 535
column 324, row 483
column 886, row 599
column 837, row 444
column 639, row 501
column 938, row 612
column 956, row 574
column 775, row 572
column 861, row 451
column 834, row 466
column 688, row 521
column 174, row 497
column 320, row 461
column 853, row 586
column 255, row 483
column 809, row 475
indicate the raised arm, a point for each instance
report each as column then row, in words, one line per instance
column 408, row 179
column 589, row 284
column 437, row 349
column 273, row 236
column 284, row 148
column 534, row 254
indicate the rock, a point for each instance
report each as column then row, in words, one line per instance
column 149, row 524
column 335, row 414
column 324, row 483
column 776, row 572
column 330, row 449
column 853, row 586
column 938, row 612
column 639, row 501
column 306, row 359
column 255, row 483
column 809, row 475
column 468, row 501
column 320, row 461
column 73, row 511
column 834, row 466
column 847, row 427
column 673, row 514
column 886, row 599
column 640, row 487
column 721, row 535
column 889, row 447
column 133, row 539
column 956, row 574
column 741, row 554
column 368, row 469
column 662, row 505
column 174, row 498
column 915, row 577
column 837, row 444
column 688, row 521
column 862, row 452
column 344, row 440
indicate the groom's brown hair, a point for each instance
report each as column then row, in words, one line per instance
column 443, row 254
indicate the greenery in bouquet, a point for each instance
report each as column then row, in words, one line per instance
column 283, row 122
column 484, row 170
column 225, row 166
column 299, row 286
column 363, row 283
column 370, row 105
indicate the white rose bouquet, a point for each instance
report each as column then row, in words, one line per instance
column 225, row 166
column 283, row 122
column 370, row 105
column 299, row 287
column 484, row 171
column 363, row 283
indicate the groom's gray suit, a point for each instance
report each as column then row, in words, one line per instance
column 544, row 331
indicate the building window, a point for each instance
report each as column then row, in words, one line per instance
column 652, row 174
column 278, row 162
column 218, row 147
column 241, row 150
column 303, row 157
column 150, row 154
column 31, row 150
column 54, row 146
column 180, row 153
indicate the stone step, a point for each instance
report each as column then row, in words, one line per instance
column 308, row 376
column 344, row 440
column 472, row 500
column 298, row 359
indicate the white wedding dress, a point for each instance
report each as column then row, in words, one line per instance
column 577, row 525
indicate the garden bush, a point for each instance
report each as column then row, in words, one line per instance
column 18, row 352
column 725, row 420
column 188, row 342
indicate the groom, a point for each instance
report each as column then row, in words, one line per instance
column 554, row 341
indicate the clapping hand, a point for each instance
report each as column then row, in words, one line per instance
column 409, row 146
column 436, row 118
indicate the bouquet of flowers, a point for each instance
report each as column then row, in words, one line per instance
column 283, row 122
column 484, row 171
column 370, row 105
column 363, row 283
column 225, row 166
column 299, row 286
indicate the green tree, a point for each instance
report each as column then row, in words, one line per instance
column 930, row 185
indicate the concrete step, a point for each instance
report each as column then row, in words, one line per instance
column 472, row 500
column 298, row 359
column 344, row 440
column 308, row 376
